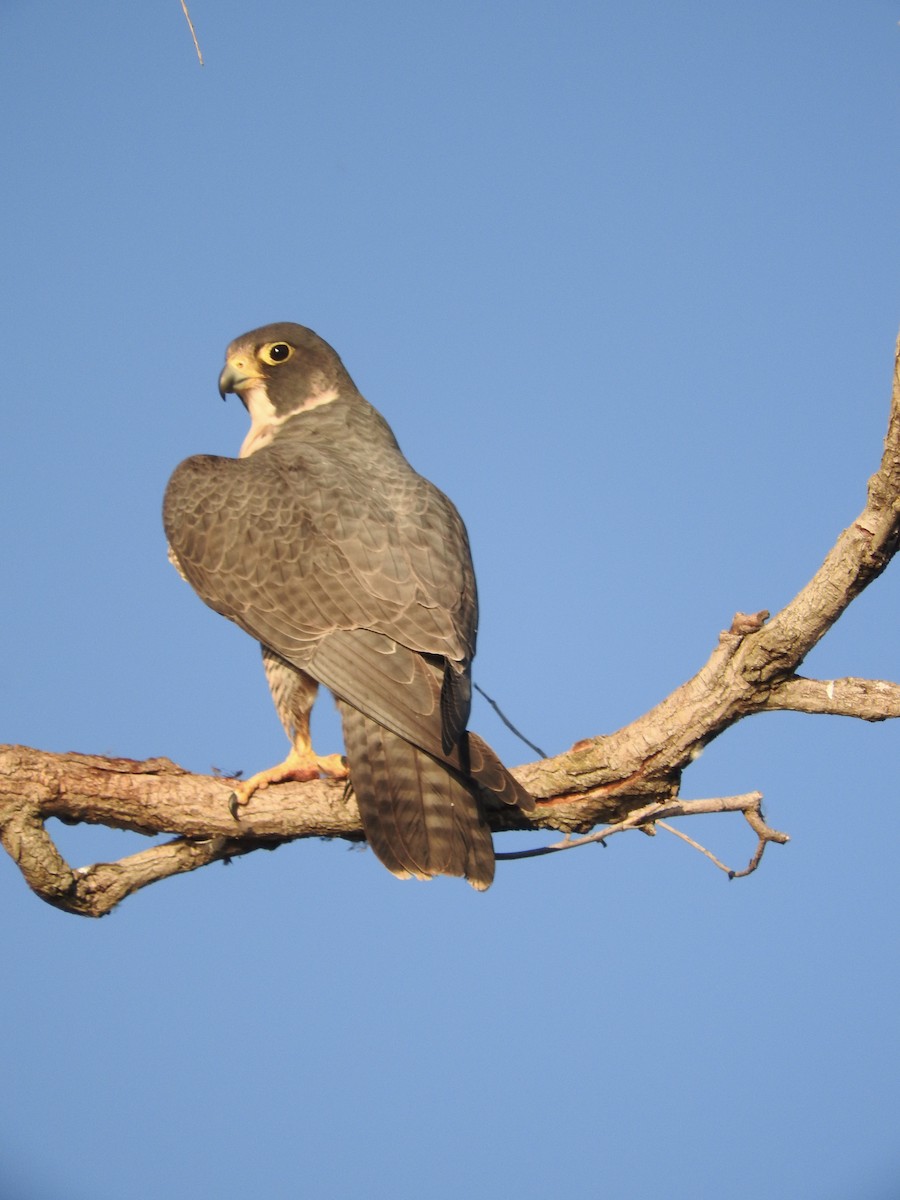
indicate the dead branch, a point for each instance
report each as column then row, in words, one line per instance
column 629, row 779
column 868, row 699
column 187, row 17
column 648, row 820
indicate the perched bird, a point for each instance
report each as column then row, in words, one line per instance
column 352, row 571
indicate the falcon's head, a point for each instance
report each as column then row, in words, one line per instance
column 278, row 371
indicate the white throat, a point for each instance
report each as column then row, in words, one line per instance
column 265, row 422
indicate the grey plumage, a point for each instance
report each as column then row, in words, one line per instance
column 352, row 571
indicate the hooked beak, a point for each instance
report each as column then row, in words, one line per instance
column 236, row 373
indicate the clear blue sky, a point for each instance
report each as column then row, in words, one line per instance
column 623, row 278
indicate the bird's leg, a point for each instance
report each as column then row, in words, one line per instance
column 301, row 764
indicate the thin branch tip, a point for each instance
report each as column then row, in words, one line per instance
column 187, row 17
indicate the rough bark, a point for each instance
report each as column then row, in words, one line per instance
column 629, row 779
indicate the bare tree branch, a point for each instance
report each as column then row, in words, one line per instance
column 629, row 779
column 868, row 699
column 648, row 820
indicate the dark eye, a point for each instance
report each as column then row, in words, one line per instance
column 276, row 352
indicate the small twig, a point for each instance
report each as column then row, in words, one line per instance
column 703, row 850
column 507, row 722
column 637, row 820
column 649, row 817
column 187, row 17
column 765, row 833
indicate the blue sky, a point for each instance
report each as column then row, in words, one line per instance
column 623, row 278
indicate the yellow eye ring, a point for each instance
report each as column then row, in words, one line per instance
column 275, row 353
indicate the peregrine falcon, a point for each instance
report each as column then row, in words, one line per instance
column 352, row 571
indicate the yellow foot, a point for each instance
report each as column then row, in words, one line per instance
column 300, row 765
